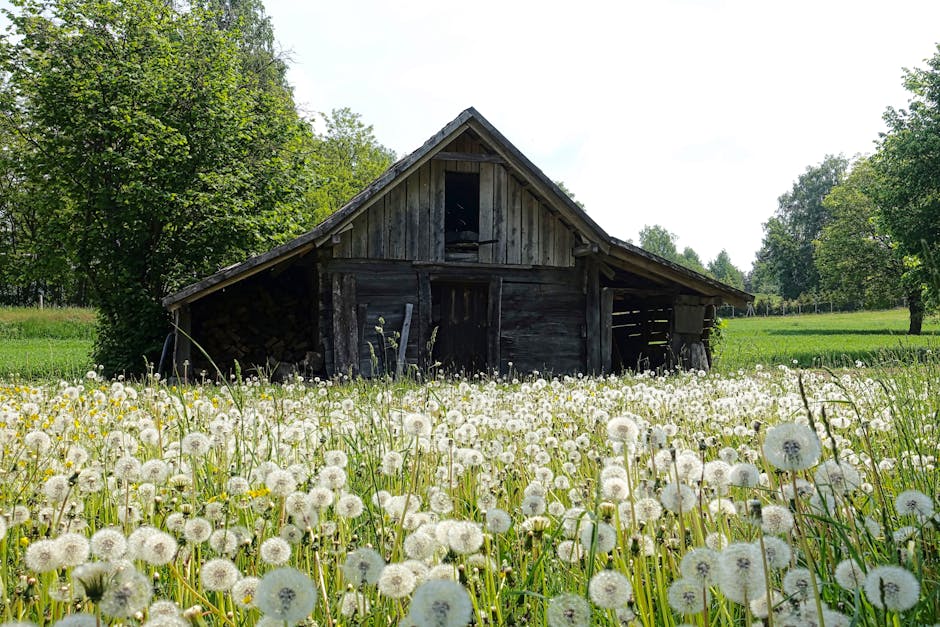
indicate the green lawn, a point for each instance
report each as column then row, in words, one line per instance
column 830, row 339
column 45, row 343
column 53, row 343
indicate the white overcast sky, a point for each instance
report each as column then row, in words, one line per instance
column 692, row 114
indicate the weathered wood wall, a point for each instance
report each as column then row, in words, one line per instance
column 541, row 314
column 407, row 222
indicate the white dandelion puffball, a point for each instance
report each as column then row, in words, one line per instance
column 687, row 596
column 219, row 575
column 622, row 429
column 497, row 520
column 892, row 588
column 609, row 589
column 776, row 519
column 286, row 594
column 108, row 544
column 363, row 566
column 128, row 593
column 701, row 566
column 275, row 551
column 741, row 572
column 441, row 603
column 849, row 575
column 792, row 446
column 568, row 610
column 914, row 503
column 396, row 581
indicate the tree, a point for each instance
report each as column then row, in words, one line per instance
column 856, row 260
column 659, row 241
column 157, row 160
column 561, row 185
column 908, row 159
column 722, row 269
column 786, row 254
column 690, row 259
column 346, row 158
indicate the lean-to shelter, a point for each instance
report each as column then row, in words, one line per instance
column 463, row 254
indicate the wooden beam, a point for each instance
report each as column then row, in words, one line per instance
column 592, row 321
column 607, row 317
column 494, row 323
column 468, row 156
column 583, row 250
column 403, row 340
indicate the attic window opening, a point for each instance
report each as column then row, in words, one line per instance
column 461, row 207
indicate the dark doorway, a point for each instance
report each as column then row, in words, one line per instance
column 460, row 313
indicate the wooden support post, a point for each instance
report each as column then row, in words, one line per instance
column 182, row 353
column 607, row 317
column 494, row 323
column 592, row 319
column 345, row 325
column 403, row 340
column 424, row 320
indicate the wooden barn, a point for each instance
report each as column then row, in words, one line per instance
column 464, row 254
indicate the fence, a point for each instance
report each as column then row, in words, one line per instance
column 767, row 307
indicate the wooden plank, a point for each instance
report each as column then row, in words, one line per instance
column 182, row 351
column 412, row 208
column 500, row 211
column 360, row 236
column 514, row 222
column 423, row 243
column 468, row 156
column 378, row 231
column 487, row 176
column 562, row 249
column 345, row 325
column 494, row 323
column 607, row 309
column 395, row 216
column 437, row 211
column 424, row 319
column 592, row 319
column 403, row 340
column 547, row 223
column 531, row 229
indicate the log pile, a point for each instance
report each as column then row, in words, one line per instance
column 268, row 324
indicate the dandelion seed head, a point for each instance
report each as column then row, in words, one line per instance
column 892, row 588
column 286, row 594
column 609, row 589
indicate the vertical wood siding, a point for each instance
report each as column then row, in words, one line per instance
column 407, row 222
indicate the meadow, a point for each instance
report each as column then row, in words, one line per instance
column 772, row 496
column 45, row 343
column 828, row 339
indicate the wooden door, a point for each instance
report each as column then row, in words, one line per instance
column 461, row 314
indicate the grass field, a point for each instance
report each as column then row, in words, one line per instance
column 54, row 343
column 779, row 497
column 45, row 343
column 830, row 339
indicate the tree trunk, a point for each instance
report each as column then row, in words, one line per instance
column 915, row 304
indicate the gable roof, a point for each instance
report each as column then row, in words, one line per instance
column 590, row 232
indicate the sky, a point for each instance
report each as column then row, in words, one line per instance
column 692, row 114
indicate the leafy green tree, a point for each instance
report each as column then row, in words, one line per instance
column 856, row 260
column 157, row 160
column 722, row 269
column 657, row 240
column 346, row 158
column 786, row 253
column 561, row 185
column 908, row 160
column 690, row 259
